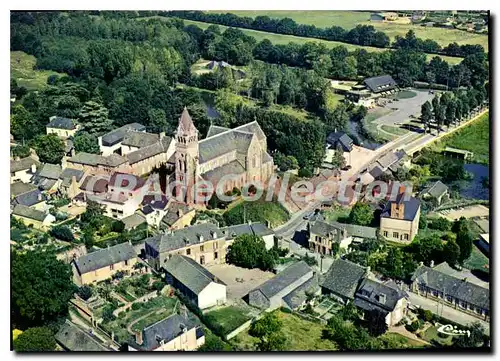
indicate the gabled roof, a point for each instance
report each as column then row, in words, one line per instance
column 186, row 124
column 325, row 229
column 117, row 135
column 215, row 129
column 149, row 150
column 165, row 330
column 343, row 278
column 73, row 338
column 411, row 207
column 387, row 160
column 133, row 221
column 22, row 164
column 223, row 143
column 449, row 285
column 69, row 173
column 187, row 236
column 61, row 123
column 139, row 139
column 354, row 230
column 381, row 83
column 436, row 190
column 298, row 296
column 94, row 184
column 29, row 198
column 175, row 210
column 51, row 171
column 18, row 188
column 376, row 172
column 215, row 175
column 155, row 202
column 340, row 138
column 257, row 229
column 284, row 279
column 374, row 293
column 126, row 180
column 105, row 257
column 190, row 273
column 27, row 212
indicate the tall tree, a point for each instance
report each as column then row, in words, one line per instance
column 451, row 252
column 36, row 339
column 94, row 118
column 49, row 148
column 85, row 142
column 361, row 214
column 426, row 114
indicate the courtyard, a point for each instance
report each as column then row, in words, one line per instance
column 404, row 107
column 477, row 210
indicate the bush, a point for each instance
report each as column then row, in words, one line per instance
column 107, row 313
column 158, row 285
column 85, row 292
column 425, row 315
column 413, row 327
column 440, row 224
column 63, row 233
column 118, row 226
column 137, row 306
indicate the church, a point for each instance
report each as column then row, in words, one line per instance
column 240, row 152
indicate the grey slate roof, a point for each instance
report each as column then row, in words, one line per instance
column 29, row 198
column 46, row 183
column 112, row 160
column 343, row 278
column 105, row 257
column 61, row 123
column 283, row 279
column 254, row 128
column 436, row 190
column 133, row 221
column 117, row 135
column 234, row 167
column 51, row 171
column 223, row 143
column 68, row 174
column 155, row 202
column 388, row 160
column 257, row 229
column 94, row 184
column 149, row 150
column 357, row 231
column 166, row 330
column 73, row 338
column 340, row 138
column 371, row 291
column 215, row 129
column 18, row 188
column 191, row 274
column 140, row 139
column 381, row 83
column 411, row 207
column 175, row 210
column 325, row 229
column 298, row 296
column 22, row 164
column 376, row 172
column 27, row 212
column 187, row 236
column 458, row 288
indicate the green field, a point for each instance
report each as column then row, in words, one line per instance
column 225, row 320
column 431, row 334
column 394, row 130
column 300, row 335
column 285, row 39
column 22, row 70
column 474, row 138
column 258, row 211
column 477, row 260
column 349, row 19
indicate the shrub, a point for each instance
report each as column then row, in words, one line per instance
column 107, row 313
column 158, row 285
column 85, row 292
column 118, row 226
column 413, row 327
column 137, row 306
column 440, row 224
column 63, row 233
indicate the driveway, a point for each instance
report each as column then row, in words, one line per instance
column 446, row 311
column 405, row 107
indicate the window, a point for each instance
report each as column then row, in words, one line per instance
column 395, row 235
column 463, row 305
column 449, row 298
column 126, row 262
column 202, row 248
column 188, row 251
column 202, row 259
column 111, row 266
column 215, row 245
column 406, row 236
column 216, row 255
column 386, row 233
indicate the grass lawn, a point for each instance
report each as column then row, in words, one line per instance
column 22, row 69
column 431, row 334
column 477, row 260
column 474, row 138
column 394, row 130
column 406, row 94
column 349, row 19
column 227, row 319
column 336, row 214
column 259, row 211
column 300, row 335
column 404, row 341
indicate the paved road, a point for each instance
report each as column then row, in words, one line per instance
column 405, row 108
column 446, row 311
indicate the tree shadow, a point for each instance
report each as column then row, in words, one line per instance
column 301, row 238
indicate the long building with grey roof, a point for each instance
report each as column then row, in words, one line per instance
column 74, row 339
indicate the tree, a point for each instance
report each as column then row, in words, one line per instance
column 117, row 226
column 85, row 292
column 63, row 233
column 93, row 214
column 36, row 339
column 451, row 252
column 361, row 214
column 249, row 251
column 21, row 151
column 214, row 343
column 464, row 241
column 41, row 288
column 23, row 124
column 375, row 320
column 49, row 148
column 94, row 118
column 426, row 114
column 158, row 120
column 85, row 142
column 338, row 160
column 268, row 329
column 477, row 337
column 337, row 118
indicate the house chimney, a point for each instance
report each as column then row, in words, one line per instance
column 138, row 337
column 200, row 237
column 214, row 234
column 33, row 168
column 40, row 196
column 432, row 264
column 162, row 135
column 382, row 298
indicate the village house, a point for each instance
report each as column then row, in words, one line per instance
column 18, row 188
column 154, row 208
column 338, row 141
column 399, row 219
column 47, row 177
column 196, row 283
column 342, row 280
column 437, row 191
column 240, row 152
column 440, row 284
column 97, row 164
column 72, row 337
column 385, row 297
column 39, row 219
column 103, row 264
column 133, row 221
column 174, row 333
column 176, row 215
column 111, row 142
column 22, row 170
column 255, row 229
column 62, row 127
column 271, row 294
column 70, row 182
column 205, row 243
column 32, row 198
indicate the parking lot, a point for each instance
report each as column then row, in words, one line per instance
column 404, row 108
column 239, row 280
column 477, row 210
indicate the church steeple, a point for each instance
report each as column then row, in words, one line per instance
column 186, row 155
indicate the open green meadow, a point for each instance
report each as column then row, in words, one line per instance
column 22, row 69
column 349, row 19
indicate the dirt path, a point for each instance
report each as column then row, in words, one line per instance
column 403, row 331
column 129, row 327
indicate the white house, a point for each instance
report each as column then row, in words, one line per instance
column 256, row 229
column 22, row 169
